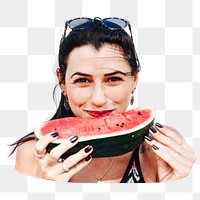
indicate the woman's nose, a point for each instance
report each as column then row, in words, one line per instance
column 98, row 97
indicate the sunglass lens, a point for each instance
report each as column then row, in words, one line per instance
column 79, row 24
column 115, row 23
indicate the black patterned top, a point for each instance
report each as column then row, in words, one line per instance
column 133, row 173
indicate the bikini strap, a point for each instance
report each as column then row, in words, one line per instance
column 133, row 172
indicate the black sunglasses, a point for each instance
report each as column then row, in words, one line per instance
column 112, row 23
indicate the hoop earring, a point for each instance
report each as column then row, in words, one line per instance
column 132, row 99
column 66, row 103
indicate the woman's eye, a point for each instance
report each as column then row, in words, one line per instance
column 114, row 79
column 81, row 80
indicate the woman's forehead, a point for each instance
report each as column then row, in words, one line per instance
column 87, row 59
column 90, row 51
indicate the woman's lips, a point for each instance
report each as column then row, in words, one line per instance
column 99, row 113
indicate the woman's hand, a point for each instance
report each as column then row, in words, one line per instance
column 174, row 157
column 51, row 167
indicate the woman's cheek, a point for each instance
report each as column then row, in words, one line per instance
column 121, row 97
column 78, row 96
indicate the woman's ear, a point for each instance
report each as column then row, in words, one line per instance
column 135, row 81
column 61, row 82
column 59, row 75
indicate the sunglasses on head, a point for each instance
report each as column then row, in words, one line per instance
column 112, row 23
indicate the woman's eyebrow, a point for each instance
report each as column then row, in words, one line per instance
column 107, row 74
column 80, row 74
column 119, row 72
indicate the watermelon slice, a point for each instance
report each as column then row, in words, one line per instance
column 110, row 135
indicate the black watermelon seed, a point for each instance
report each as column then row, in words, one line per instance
column 117, row 124
column 139, row 113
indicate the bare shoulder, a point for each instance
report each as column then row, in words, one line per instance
column 148, row 162
column 25, row 158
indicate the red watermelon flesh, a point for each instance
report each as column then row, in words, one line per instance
column 91, row 128
column 111, row 135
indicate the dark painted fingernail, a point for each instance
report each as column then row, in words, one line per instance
column 55, row 134
column 153, row 129
column 73, row 139
column 88, row 158
column 87, row 149
column 148, row 137
column 155, row 147
column 159, row 125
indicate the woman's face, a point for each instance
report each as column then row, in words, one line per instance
column 96, row 82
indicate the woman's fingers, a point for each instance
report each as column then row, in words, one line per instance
column 170, row 132
column 83, row 163
column 52, row 166
column 172, row 163
column 59, row 150
column 66, row 175
column 176, row 140
column 73, row 161
column 63, row 171
column 163, row 151
column 40, row 146
column 164, row 136
column 173, row 150
column 73, row 164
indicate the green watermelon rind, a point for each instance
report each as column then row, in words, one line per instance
column 110, row 146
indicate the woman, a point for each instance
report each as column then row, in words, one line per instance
column 98, row 74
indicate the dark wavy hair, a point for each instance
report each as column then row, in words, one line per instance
column 95, row 35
